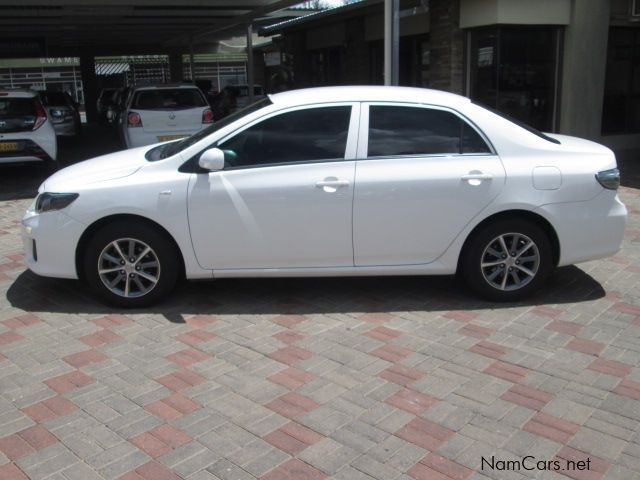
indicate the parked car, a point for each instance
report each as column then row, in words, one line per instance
column 26, row 130
column 233, row 98
column 163, row 112
column 117, row 105
column 333, row 182
column 105, row 99
column 64, row 113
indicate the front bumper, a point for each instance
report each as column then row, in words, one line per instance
column 588, row 230
column 50, row 241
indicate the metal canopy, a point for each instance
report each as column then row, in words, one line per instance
column 129, row 26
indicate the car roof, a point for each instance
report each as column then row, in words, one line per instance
column 368, row 93
column 17, row 93
column 161, row 86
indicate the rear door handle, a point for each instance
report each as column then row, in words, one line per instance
column 477, row 176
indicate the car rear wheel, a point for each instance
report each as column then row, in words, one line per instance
column 131, row 265
column 507, row 260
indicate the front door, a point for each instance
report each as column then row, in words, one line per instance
column 424, row 175
column 285, row 195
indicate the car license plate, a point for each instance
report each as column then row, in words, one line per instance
column 166, row 138
column 8, row 146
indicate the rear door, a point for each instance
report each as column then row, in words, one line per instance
column 170, row 111
column 424, row 172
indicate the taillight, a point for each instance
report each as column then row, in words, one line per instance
column 207, row 116
column 134, row 120
column 41, row 115
column 609, row 179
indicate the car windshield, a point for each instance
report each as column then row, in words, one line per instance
column 170, row 149
column 528, row 128
column 53, row 98
column 168, row 99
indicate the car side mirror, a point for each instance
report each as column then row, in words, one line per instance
column 212, row 160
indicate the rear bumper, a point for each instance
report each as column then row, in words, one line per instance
column 588, row 230
column 28, row 151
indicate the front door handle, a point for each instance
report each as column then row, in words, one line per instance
column 477, row 176
column 331, row 184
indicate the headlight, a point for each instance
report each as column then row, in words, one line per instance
column 47, row 202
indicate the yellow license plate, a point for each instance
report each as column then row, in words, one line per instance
column 8, row 146
column 166, row 138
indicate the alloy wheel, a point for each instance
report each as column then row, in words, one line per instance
column 510, row 261
column 129, row 268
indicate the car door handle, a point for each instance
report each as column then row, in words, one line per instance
column 331, row 183
column 477, row 176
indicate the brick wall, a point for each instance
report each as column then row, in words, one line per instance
column 447, row 46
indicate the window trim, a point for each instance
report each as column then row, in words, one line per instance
column 363, row 137
column 350, row 146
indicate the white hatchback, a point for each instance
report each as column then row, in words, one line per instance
column 26, row 131
column 163, row 112
column 332, row 182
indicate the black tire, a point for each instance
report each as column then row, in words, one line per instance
column 163, row 252
column 490, row 281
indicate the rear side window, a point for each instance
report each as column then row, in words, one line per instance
column 168, row 99
column 300, row 136
column 395, row 130
column 53, row 98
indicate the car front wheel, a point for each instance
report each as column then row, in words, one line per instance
column 130, row 264
column 507, row 260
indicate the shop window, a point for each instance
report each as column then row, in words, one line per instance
column 621, row 107
column 514, row 70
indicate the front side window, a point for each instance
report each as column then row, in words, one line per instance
column 395, row 130
column 300, row 136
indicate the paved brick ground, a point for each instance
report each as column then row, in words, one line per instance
column 351, row 379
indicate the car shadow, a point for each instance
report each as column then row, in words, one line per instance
column 302, row 296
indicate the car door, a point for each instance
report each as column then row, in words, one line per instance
column 285, row 196
column 423, row 173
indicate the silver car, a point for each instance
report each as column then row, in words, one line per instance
column 63, row 111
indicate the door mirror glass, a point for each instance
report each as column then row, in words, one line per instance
column 212, row 160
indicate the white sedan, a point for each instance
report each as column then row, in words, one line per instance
column 332, row 182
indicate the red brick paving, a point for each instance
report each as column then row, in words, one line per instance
column 401, row 375
column 155, row 471
column 628, row 388
column 9, row 337
column 87, row 357
column 201, row 321
column 160, row 440
column 489, row 349
column 597, row 466
column 391, row 353
column 436, row 467
column 69, row 381
column 172, row 407
column 292, row 438
column 589, row 347
column 610, row 367
column 49, row 409
column 292, row 405
column 551, row 427
column 180, row 380
column 291, row 355
column 188, row 356
column 100, row 338
column 21, row 321
column 291, row 377
column 383, row 334
column 195, row 337
column 462, row 315
column 527, row 397
column 476, row 331
column 289, row 321
column 289, row 336
column 10, row 472
column 424, row 433
column 379, row 317
column 112, row 320
column 507, row 371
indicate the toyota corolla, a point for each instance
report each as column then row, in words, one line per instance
column 332, row 182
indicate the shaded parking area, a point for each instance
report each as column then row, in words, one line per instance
column 353, row 379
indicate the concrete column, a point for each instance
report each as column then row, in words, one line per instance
column 89, row 85
column 391, row 42
column 584, row 68
column 446, row 40
column 175, row 67
column 250, row 65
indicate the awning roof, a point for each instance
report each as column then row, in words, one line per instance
column 129, row 26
